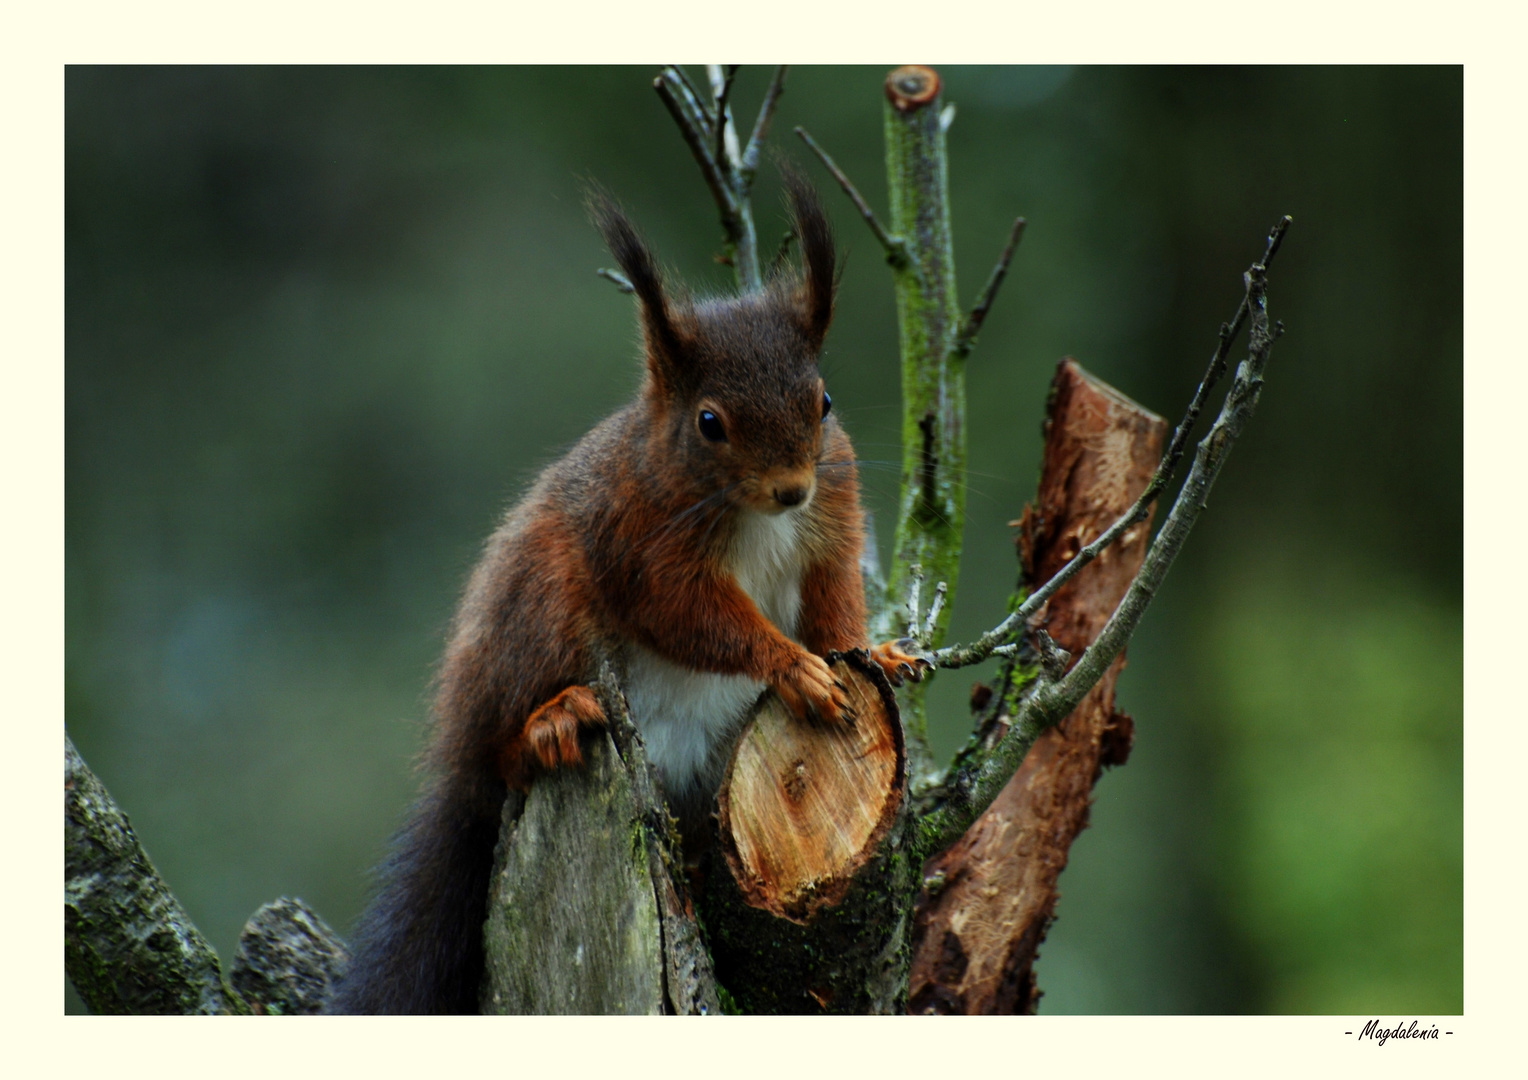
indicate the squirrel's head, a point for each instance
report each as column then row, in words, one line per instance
column 733, row 383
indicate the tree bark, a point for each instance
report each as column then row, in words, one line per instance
column 850, row 958
column 289, row 960
column 931, row 518
column 988, row 900
column 573, row 923
column 586, row 914
column 129, row 947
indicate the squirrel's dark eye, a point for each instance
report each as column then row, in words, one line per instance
column 827, row 404
column 711, row 426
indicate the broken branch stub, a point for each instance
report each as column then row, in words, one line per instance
column 805, row 806
column 989, row 899
column 573, row 921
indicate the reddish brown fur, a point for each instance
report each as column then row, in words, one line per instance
column 626, row 542
column 551, row 734
column 595, row 557
column 616, row 543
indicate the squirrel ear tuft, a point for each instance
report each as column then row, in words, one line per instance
column 665, row 343
column 818, row 256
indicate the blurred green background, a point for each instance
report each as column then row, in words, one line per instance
column 324, row 324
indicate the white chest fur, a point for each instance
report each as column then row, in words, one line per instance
column 766, row 562
column 688, row 718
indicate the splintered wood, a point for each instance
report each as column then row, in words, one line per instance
column 989, row 899
column 804, row 805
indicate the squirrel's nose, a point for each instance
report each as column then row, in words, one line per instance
column 790, row 496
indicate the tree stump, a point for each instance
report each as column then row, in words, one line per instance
column 574, row 924
column 803, row 806
column 802, row 913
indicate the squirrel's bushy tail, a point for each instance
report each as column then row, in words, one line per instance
column 418, row 948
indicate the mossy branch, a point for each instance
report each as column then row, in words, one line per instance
column 934, row 344
column 931, row 514
column 129, row 947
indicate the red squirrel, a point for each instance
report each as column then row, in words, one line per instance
column 706, row 539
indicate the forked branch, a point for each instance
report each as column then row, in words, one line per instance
column 695, row 127
column 988, row 644
column 727, row 166
column 981, row 775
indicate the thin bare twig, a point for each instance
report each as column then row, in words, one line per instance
column 620, row 279
column 981, row 648
column 956, row 656
column 914, row 588
column 695, row 134
column 967, row 336
column 712, row 138
column 690, row 94
column 940, row 592
column 720, row 77
column 750, row 163
column 721, row 89
column 1218, row 361
column 896, row 247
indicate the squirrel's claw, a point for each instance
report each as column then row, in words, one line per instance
column 810, row 691
column 902, row 659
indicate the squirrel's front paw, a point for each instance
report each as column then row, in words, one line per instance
column 810, row 691
column 902, row 659
column 549, row 739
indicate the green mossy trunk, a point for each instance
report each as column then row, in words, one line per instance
column 931, row 519
column 585, row 915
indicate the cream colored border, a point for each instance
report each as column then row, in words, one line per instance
column 40, row 41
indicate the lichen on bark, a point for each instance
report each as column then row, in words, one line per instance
column 129, row 946
column 573, row 924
